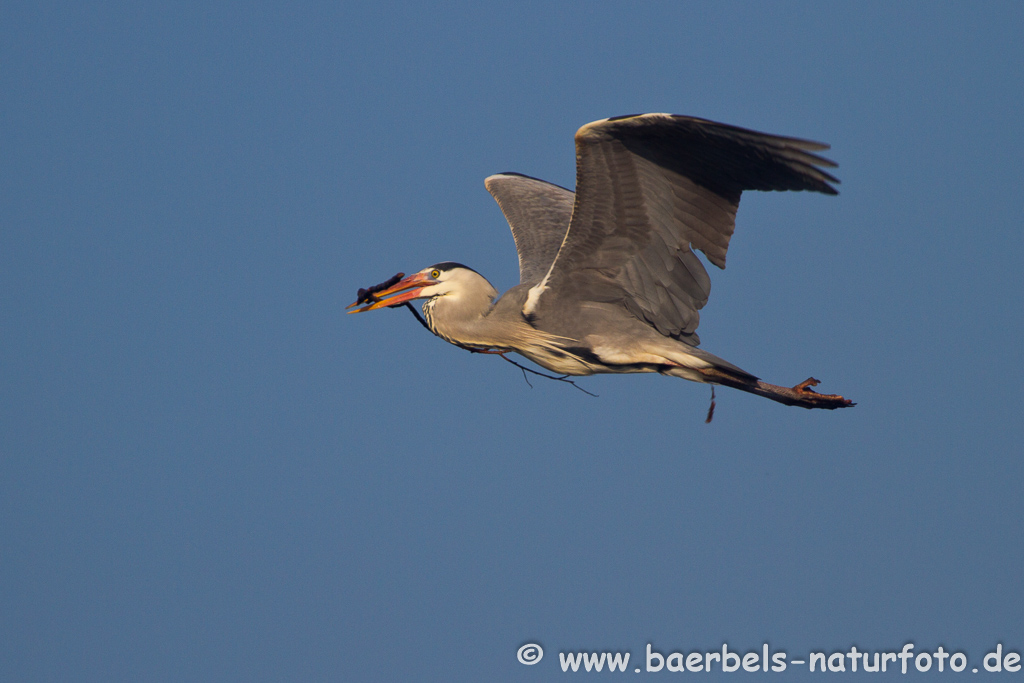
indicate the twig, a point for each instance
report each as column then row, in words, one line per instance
column 369, row 295
column 711, row 409
column 563, row 378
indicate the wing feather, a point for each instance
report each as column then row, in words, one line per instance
column 651, row 187
column 538, row 213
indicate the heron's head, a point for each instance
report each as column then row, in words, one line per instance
column 441, row 279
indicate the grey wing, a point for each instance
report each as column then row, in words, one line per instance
column 538, row 213
column 648, row 187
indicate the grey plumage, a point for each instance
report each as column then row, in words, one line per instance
column 647, row 189
column 538, row 213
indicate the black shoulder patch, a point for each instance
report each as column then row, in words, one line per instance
column 584, row 353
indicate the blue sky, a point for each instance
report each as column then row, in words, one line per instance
column 209, row 472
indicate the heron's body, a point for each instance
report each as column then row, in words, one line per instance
column 569, row 345
column 608, row 278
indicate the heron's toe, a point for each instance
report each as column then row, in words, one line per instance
column 803, row 386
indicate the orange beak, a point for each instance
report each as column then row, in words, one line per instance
column 399, row 293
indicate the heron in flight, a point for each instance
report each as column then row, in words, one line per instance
column 608, row 280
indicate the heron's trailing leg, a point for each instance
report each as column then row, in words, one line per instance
column 800, row 395
column 803, row 395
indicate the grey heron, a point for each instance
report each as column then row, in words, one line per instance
column 609, row 281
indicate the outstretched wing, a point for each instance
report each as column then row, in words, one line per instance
column 538, row 213
column 650, row 186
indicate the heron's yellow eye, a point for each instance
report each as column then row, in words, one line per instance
column 435, row 273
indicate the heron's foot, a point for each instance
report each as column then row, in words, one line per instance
column 812, row 399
